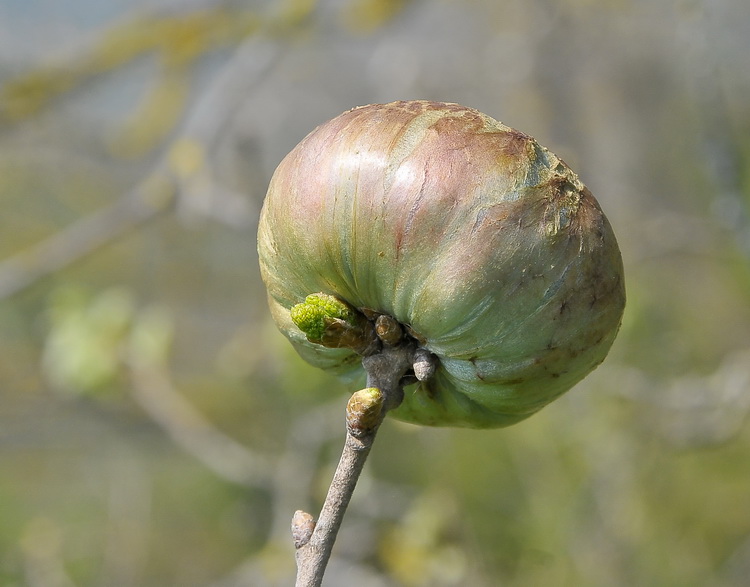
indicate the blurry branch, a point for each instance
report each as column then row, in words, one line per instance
column 295, row 471
column 146, row 200
column 154, row 392
column 128, row 521
column 145, row 357
column 182, row 176
column 719, row 142
column 92, row 342
column 161, row 187
column 367, row 16
column 178, row 39
column 177, row 35
column 736, row 569
column 41, row 546
column 293, row 477
column 695, row 410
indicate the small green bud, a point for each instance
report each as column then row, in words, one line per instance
column 317, row 312
column 331, row 322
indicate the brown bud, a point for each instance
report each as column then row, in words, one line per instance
column 388, row 329
column 303, row 525
column 363, row 412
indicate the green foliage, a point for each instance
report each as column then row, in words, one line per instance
column 90, row 338
column 86, row 339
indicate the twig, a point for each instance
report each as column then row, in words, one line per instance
column 364, row 414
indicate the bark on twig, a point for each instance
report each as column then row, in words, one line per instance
column 365, row 412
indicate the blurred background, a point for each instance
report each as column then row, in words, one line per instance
column 156, row 430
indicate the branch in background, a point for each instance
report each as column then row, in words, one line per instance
column 41, row 546
column 161, row 187
column 294, row 473
column 86, row 235
column 693, row 410
column 187, row 427
column 208, row 25
column 718, row 138
column 125, row 540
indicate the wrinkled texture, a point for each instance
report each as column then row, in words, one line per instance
column 483, row 243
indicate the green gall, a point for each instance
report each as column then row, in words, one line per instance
column 483, row 245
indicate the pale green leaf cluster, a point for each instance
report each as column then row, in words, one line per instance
column 91, row 337
column 314, row 314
